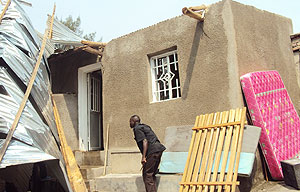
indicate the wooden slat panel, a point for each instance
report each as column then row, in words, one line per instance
column 214, row 135
column 203, row 119
column 189, row 155
column 226, row 148
column 199, row 152
column 211, row 183
column 243, row 117
column 234, row 143
column 219, row 149
column 213, row 150
column 206, row 151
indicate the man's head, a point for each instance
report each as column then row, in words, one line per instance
column 134, row 119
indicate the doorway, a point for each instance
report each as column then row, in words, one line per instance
column 95, row 110
column 90, row 113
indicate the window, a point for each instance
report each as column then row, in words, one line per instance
column 165, row 76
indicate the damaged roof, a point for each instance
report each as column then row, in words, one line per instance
column 36, row 138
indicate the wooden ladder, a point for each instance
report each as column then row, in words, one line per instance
column 216, row 143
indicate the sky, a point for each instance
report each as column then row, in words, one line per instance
column 113, row 18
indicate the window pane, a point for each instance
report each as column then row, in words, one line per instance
column 171, row 57
column 174, row 93
column 165, row 73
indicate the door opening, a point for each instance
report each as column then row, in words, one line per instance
column 94, row 99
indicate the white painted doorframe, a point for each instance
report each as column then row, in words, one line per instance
column 83, row 123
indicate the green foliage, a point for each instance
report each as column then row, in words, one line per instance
column 74, row 25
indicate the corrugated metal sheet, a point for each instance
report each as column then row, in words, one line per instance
column 36, row 131
column 63, row 33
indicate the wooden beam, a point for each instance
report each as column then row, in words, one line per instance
column 73, row 172
column 191, row 12
column 4, row 10
column 92, row 50
column 218, row 125
column 106, row 150
column 210, row 183
column 93, row 44
column 51, row 24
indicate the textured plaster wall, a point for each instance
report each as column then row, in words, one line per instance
column 204, row 75
column 234, row 39
column 263, row 43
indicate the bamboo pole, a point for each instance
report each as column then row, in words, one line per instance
column 51, row 24
column 4, row 10
column 26, row 95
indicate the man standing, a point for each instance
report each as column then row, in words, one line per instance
column 151, row 150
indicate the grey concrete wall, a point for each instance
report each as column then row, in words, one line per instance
column 68, row 112
column 263, row 43
column 127, row 85
column 234, row 39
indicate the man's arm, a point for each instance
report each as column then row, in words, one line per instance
column 145, row 149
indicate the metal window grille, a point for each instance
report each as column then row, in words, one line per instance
column 95, row 94
column 165, row 77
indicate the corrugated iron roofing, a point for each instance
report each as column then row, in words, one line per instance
column 36, row 131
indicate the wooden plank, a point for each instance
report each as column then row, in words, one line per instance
column 239, row 148
column 73, row 172
column 106, row 150
column 219, row 149
column 4, row 10
column 234, row 144
column 210, row 183
column 51, row 24
column 208, row 141
column 226, row 148
column 200, row 151
column 27, row 92
column 189, row 154
column 213, row 150
column 217, row 125
column 203, row 119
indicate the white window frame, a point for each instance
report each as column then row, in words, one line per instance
column 155, row 91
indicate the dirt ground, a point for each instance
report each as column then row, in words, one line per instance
column 273, row 186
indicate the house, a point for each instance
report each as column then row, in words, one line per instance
column 167, row 74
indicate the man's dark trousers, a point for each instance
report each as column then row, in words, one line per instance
column 149, row 171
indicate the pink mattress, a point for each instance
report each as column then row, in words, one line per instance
column 271, row 109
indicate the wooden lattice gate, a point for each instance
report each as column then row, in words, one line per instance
column 216, row 143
